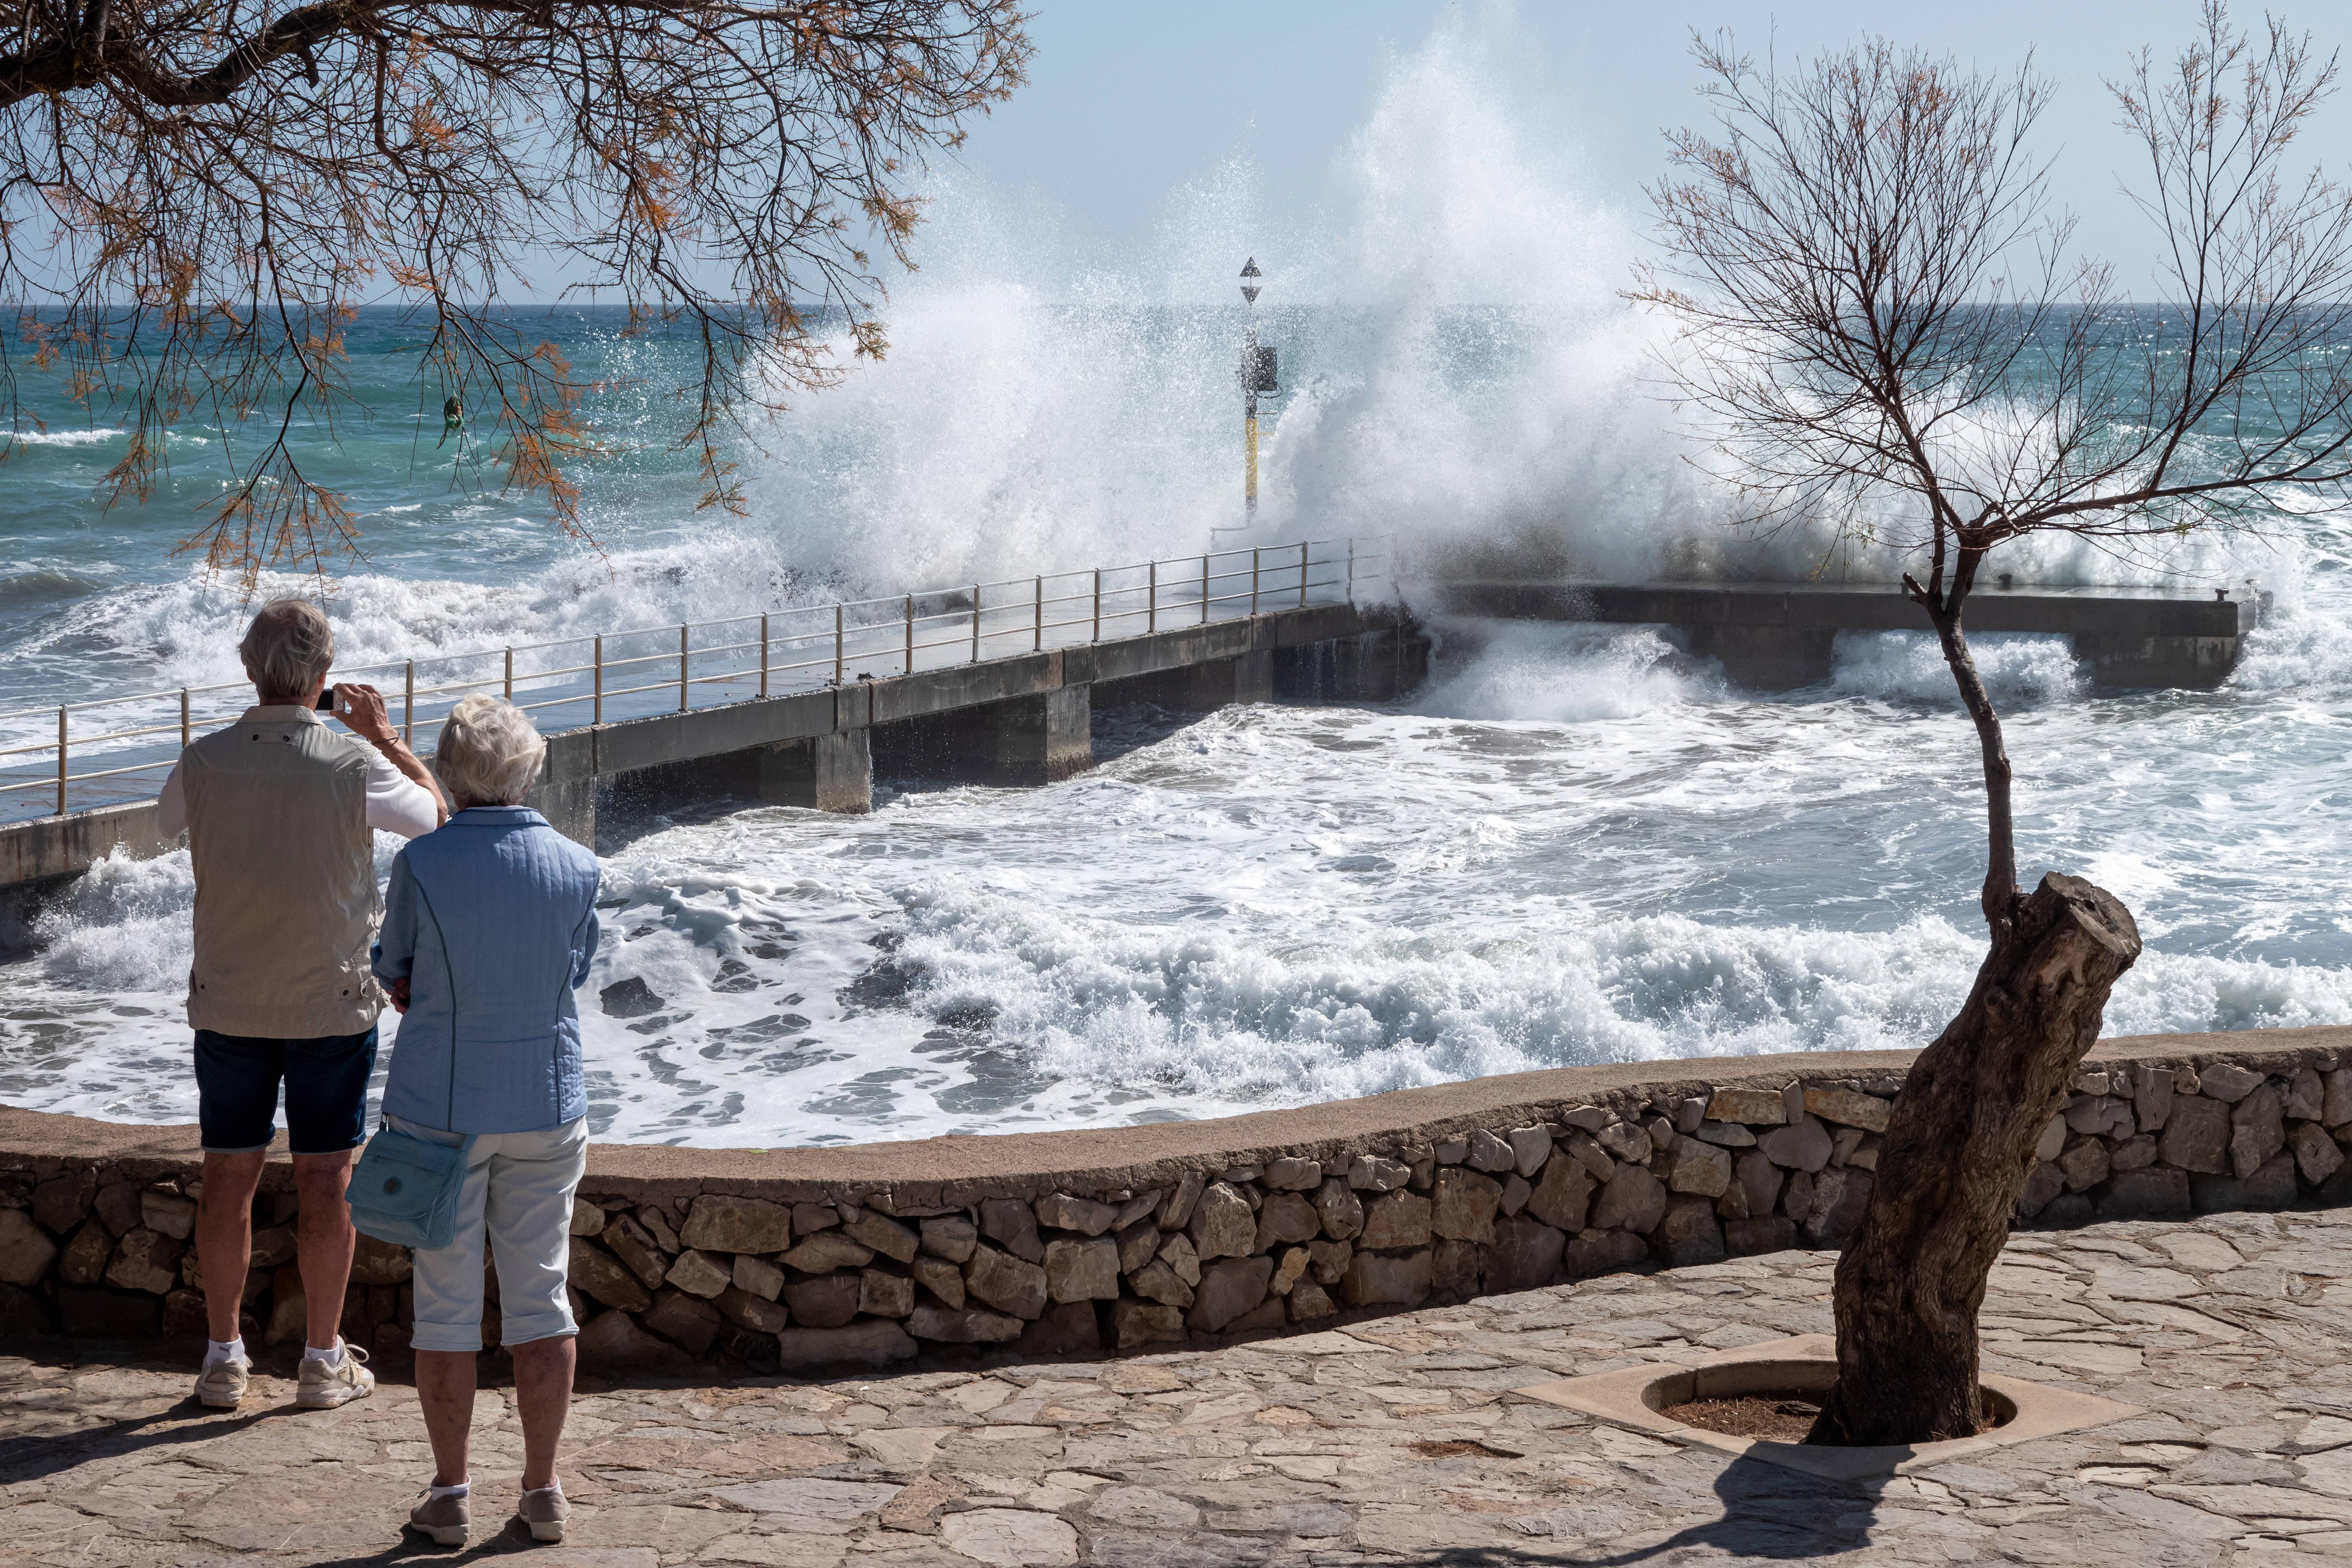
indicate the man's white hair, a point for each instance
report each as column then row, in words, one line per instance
column 288, row 650
column 489, row 752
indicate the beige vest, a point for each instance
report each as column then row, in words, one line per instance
column 285, row 864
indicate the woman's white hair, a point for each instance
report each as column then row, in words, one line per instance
column 489, row 754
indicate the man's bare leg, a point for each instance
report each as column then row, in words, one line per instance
column 324, row 1240
column 225, row 1237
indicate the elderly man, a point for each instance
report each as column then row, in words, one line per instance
column 279, row 812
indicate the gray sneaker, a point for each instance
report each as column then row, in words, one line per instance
column 323, row 1387
column 545, row 1510
column 221, row 1385
column 444, row 1518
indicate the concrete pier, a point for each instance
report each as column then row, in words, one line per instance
column 1777, row 637
column 1024, row 719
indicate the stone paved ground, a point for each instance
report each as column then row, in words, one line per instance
column 1399, row 1440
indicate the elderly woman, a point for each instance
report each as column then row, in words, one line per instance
column 490, row 923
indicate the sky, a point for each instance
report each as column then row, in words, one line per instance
column 1126, row 107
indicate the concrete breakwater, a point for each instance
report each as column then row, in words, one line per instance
column 1099, row 1241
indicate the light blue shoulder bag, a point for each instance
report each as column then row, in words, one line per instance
column 405, row 1189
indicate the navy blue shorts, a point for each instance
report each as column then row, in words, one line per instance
column 325, row 1091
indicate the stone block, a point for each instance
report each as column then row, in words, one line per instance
column 881, row 1294
column 941, row 1278
column 2335, row 1104
column 2152, row 1099
column 951, row 1236
column 1229, row 1287
column 1562, row 1195
column 1754, row 1106
column 1308, row 1301
column 167, row 1214
column 2052, row 1141
column 690, row 1321
column 377, row 1262
column 1134, row 1323
column 658, row 1226
column 1725, row 1135
column 1137, row 1208
column 698, row 1273
column 1011, row 1224
column 598, row 1274
column 1465, row 1205
column 587, row 1219
column 746, row 1310
column 1338, row 1212
column 634, row 1245
column 26, row 1249
column 1661, row 1133
column 1222, row 1225
column 828, row 1250
column 62, row 1202
column 2257, row 1130
column 747, row 1346
column 1690, row 1233
column 1369, row 1173
column 1592, row 1252
column 2196, row 1135
column 1374, row 1280
column 1628, row 1143
column 1689, row 1113
column 1138, row 1245
column 2307, row 1097
column 1178, row 1254
column 1060, row 1211
column 1770, row 1233
column 2085, row 1165
column 1008, row 1283
column 2134, row 1153
column 820, row 1301
column 1065, row 1328
column 1291, row 1174
column 144, row 1260
column 871, row 1344
column 1582, row 1148
column 1759, row 1178
column 2272, row 1186
column 2043, row 1183
column 1591, row 1119
column 810, row 1218
column 1530, row 1147
column 1156, row 1281
column 1328, row 1260
column 1453, row 1151
column 1848, row 1109
column 718, row 1223
column 1176, row 1207
column 617, row 1340
column 1289, row 1268
column 1490, row 1153
column 117, row 1205
column 1797, row 1196
column 1083, row 1268
column 1456, row 1268
column 1635, row 1201
column 2227, row 1082
column 884, row 1234
column 1516, row 1193
column 1526, row 1255
column 1803, row 1145
column 2316, row 1154
column 1699, row 1168
column 758, row 1276
column 83, row 1261
column 962, row 1325
column 1287, row 1217
column 1840, row 1199
column 2150, row 1190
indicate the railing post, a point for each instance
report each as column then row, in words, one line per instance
column 1151, row 600
column 682, row 686
column 409, row 704
column 599, row 664
column 510, row 675
column 836, row 644
column 910, row 633
column 61, row 760
column 1205, row 590
column 1097, row 636
column 764, row 653
column 1253, row 556
column 1351, row 569
column 1302, row 574
column 975, row 623
column 1037, row 619
column 185, row 737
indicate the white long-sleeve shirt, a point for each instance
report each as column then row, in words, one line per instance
column 395, row 803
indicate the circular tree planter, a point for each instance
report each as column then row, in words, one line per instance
column 1642, row 1398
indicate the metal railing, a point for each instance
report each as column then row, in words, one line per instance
column 603, row 677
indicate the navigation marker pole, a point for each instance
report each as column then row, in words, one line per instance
column 1257, row 375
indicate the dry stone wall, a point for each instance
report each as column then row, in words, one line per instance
column 803, row 1272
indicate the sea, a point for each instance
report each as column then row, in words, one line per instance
column 1573, row 844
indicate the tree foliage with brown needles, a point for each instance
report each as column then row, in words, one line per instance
column 198, row 197
column 1881, row 326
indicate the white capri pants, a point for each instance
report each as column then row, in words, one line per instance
column 517, row 1199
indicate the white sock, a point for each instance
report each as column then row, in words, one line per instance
column 555, row 1487
column 460, row 1489
column 219, row 1351
column 331, row 1357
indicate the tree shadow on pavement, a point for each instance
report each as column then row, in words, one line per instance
column 33, row 1454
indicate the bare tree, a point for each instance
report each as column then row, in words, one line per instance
column 196, row 195
column 1880, row 323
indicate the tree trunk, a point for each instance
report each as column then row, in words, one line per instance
column 1957, row 1154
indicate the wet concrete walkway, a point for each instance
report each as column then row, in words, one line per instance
column 1405, row 1439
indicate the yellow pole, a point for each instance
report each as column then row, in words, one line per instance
column 1249, row 447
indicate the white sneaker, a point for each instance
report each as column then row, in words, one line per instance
column 323, row 1387
column 221, row 1385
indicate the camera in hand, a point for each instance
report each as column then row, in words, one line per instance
column 326, row 700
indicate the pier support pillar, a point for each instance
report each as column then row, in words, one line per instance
column 2200, row 663
column 566, row 792
column 1204, row 688
column 822, row 772
column 1031, row 740
column 1769, row 658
